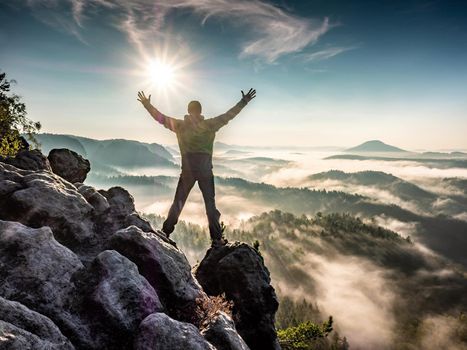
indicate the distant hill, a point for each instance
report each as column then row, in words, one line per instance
column 439, row 163
column 129, row 154
column 50, row 141
column 105, row 154
column 398, row 187
column 438, row 155
column 220, row 146
column 234, row 152
column 375, row 146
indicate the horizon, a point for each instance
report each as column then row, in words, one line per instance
column 326, row 73
column 269, row 146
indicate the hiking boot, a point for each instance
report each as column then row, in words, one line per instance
column 167, row 238
column 162, row 233
column 219, row 242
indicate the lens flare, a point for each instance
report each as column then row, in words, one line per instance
column 161, row 74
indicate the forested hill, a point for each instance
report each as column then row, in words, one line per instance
column 339, row 256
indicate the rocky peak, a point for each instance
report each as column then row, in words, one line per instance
column 238, row 270
column 80, row 269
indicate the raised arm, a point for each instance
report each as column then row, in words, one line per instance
column 169, row 122
column 219, row 121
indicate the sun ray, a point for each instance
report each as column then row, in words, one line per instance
column 167, row 73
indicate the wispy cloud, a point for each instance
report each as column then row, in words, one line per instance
column 271, row 31
column 325, row 53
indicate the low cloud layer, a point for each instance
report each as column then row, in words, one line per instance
column 355, row 293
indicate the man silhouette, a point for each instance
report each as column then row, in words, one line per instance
column 195, row 136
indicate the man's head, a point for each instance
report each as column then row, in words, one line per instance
column 194, row 108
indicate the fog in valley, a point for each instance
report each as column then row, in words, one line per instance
column 377, row 240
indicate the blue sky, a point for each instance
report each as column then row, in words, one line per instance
column 326, row 72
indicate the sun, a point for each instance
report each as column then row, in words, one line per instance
column 161, row 74
column 166, row 70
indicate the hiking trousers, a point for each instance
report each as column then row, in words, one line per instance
column 186, row 182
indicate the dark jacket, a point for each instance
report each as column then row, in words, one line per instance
column 196, row 135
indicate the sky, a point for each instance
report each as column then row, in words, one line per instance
column 327, row 73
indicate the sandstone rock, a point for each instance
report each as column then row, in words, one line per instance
column 121, row 201
column 81, row 218
column 36, row 271
column 28, row 329
column 237, row 270
column 34, row 268
column 93, row 299
column 116, row 296
column 121, row 213
column 8, row 186
column 221, row 333
column 159, row 332
column 41, row 199
column 69, row 164
column 164, row 266
column 29, row 160
column 15, row 338
column 95, row 198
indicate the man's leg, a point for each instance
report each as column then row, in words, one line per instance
column 206, row 185
column 184, row 186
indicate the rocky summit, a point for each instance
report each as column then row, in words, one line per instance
column 80, row 269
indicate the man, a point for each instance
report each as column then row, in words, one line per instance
column 195, row 136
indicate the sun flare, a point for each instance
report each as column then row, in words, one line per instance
column 161, row 74
column 166, row 73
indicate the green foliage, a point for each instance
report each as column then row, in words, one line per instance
column 256, row 245
column 299, row 327
column 223, row 227
column 344, row 222
column 291, row 313
column 301, row 337
column 13, row 120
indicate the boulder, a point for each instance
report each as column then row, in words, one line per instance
column 15, row 338
column 116, row 297
column 34, row 268
column 164, row 266
column 221, row 332
column 121, row 212
column 159, row 332
column 82, row 218
column 238, row 270
column 95, row 198
column 69, row 164
column 41, row 198
column 23, row 328
column 8, row 186
column 29, row 160
column 121, row 201
column 37, row 271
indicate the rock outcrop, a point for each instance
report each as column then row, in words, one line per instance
column 221, row 332
column 29, row 160
column 80, row 269
column 164, row 266
column 255, row 301
column 69, row 164
column 160, row 332
column 23, row 328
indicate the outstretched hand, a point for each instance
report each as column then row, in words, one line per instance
column 249, row 96
column 143, row 99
